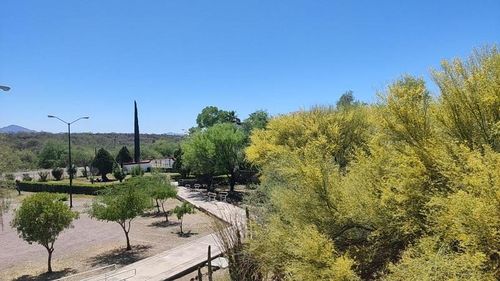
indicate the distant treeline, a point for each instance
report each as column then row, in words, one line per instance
column 24, row 151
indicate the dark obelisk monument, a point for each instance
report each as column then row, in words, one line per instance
column 137, row 143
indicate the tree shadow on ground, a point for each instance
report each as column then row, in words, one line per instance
column 164, row 223
column 47, row 276
column 185, row 234
column 152, row 215
column 120, row 256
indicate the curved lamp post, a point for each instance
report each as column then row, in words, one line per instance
column 69, row 156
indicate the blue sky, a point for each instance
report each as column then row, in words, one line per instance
column 72, row 58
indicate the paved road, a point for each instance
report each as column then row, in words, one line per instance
column 172, row 262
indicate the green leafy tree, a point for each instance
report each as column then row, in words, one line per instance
column 41, row 218
column 216, row 150
column 52, row 155
column 256, row 120
column 347, row 100
column 178, row 166
column 159, row 188
column 103, row 161
column 82, row 157
column 212, row 115
column 124, row 156
column 10, row 160
column 118, row 172
column 121, row 205
column 137, row 137
column 165, row 147
column 148, row 152
column 182, row 210
column 5, row 198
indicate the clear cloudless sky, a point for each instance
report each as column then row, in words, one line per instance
column 73, row 58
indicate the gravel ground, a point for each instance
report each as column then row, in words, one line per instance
column 92, row 244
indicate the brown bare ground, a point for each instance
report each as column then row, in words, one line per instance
column 92, row 244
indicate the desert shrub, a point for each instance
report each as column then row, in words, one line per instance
column 137, row 171
column 57, row 173
column 43, row 176
column 27, row 177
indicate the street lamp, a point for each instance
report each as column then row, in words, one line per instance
column 70, row 164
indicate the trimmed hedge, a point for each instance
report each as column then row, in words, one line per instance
column 88, row 189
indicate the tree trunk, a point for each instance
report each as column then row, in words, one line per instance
column 158, row 206
column 181, row 227
column 49, row 261
column 232, row 182
column 126, row 235
column 200, row 276
column 104, row 178
column 210, row 277
column 128, row 241
column 164, row 212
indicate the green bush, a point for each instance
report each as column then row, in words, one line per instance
column 57, row 187
column 57, row 173
column 62, row 197
column 9, row 177
column 118, row 172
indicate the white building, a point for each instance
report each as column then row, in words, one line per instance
column 165, row 163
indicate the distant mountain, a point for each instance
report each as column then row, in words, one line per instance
column 12, row 129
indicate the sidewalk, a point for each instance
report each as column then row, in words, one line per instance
column 222, row 210
column 177, row 260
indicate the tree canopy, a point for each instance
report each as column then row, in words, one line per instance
column 216, row 150
column 212, row 115
column 121, row 205
column 180, row 211
column 256, row 120
column 103, row 161
column 159, row 189
column 123, row 156
column 41, row 218
column 53, row 155
column 406, row 189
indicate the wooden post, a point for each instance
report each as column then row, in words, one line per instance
column 200, row 276
column 248, row 230
column 209, row 264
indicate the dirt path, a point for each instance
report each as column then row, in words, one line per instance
column 91, row 244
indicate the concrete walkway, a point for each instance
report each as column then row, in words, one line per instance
column 171, row 263
column 222, row 210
